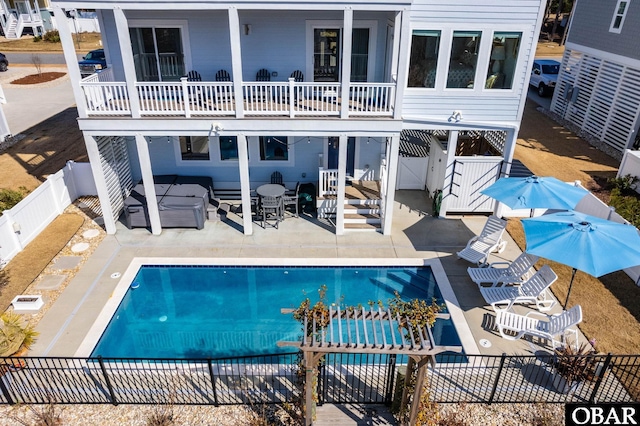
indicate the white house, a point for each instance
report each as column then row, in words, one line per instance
column 329, row 93
column 16, row 16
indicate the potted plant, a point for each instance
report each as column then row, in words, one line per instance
column 574, row 366
column 16, row 338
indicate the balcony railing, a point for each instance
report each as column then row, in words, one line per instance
column 189, row 98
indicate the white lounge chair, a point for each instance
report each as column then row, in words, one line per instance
column 534, row 290
column 546, row 327
column 503, row 273
column 489, row 240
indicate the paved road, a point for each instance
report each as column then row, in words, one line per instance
column 25, row 58
column 29, row 105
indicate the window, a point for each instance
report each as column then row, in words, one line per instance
column 157, row 53
column 424, row 58
column 618, row 16
column 274, row 148
column 464, row 58
column 228, row 148
column 194, row 147
column 503, row 60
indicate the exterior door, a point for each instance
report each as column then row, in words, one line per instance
column 326, row 54
column 332, row 154
column 157, row 53
column 412, row 172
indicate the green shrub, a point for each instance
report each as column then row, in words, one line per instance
column 37, row 39
column 626, row 184
column 52, row 36
column 627, row 206
column 11, row 197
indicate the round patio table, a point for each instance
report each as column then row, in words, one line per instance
column 270, row 190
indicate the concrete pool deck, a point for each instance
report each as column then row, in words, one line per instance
column 416, row 235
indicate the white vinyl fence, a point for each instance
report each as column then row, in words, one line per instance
column 630, row 165
column 22, row 223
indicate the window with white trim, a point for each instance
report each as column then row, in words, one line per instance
column 423, row 62
column 619, row 14
column 274, row 148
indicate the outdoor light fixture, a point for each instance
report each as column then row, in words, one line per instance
column 456, row 116
column 247, row 29
column 217, row 127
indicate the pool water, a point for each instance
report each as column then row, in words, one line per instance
column 197, row 312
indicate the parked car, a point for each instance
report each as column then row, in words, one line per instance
column 4, row 62
column 92, row 62
column 544, row 75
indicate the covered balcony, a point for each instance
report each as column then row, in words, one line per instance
column 184, row 98
column 249, row 63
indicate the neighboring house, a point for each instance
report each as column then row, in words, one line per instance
column 274, row 93
column 598, row 87
column 20, row 16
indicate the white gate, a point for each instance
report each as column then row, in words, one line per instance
column 465, row 179
column 412, row 172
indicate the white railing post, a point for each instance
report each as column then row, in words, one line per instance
column 292, row 97
column 185, row 96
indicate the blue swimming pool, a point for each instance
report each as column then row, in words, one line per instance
column 218, row 311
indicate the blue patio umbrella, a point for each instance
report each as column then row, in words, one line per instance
column 593, row 245
column 535, row 192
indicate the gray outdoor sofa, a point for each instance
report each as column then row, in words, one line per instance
column 183, row 202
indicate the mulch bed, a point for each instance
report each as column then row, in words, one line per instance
column 38, row 78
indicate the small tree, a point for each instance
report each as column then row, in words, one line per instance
column 36, row 60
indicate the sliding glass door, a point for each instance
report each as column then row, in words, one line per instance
column 157, row 53
column 327, row 54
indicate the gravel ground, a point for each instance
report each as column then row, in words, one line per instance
column 134, row 415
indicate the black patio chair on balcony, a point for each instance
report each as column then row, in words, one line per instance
column 297, row 76
column 263, row 75
column 223, row 75
column 193, row 76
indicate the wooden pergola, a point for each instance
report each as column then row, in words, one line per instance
column 372, row 331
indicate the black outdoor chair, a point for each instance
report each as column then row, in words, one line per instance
column 223, row 75
column 297, row 76
column 263, row 75
column 276, row 178
column 193, row 76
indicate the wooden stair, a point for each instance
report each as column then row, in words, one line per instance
column 361, row 206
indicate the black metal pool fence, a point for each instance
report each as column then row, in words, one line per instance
column 344, row 378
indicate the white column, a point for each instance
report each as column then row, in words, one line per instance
column 101, row 184
column 397, row 27
column 124, row 41
column 144, row 160
column 236, row 59
column 342, row 177
column 392, row 175
column 510, row 143
column 245, row 184
column 403, row 63
column 71, row 58
column 446, row 188
column 347, row 36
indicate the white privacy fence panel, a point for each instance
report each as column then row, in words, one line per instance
column 22, row 223
column 465, row 179
column 599, row 96
column 630, row 165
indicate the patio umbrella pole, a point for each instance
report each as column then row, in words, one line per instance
column 573, row 275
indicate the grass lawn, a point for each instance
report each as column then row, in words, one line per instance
column 84, row 42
